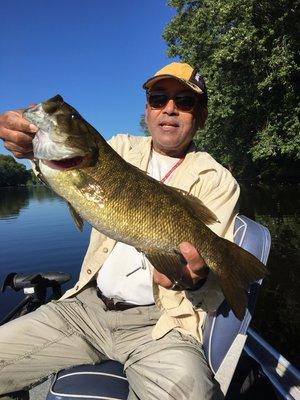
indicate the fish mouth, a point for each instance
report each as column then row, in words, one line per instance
column 67, row 163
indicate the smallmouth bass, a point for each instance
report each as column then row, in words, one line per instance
column 125, row 204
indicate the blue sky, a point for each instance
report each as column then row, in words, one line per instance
column 95, row 53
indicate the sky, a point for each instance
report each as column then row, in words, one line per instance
column 95, row 53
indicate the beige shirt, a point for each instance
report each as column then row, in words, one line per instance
column 202, row 176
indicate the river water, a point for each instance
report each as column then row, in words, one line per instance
column 37, row 234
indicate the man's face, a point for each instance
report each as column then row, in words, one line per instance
column 171, row 128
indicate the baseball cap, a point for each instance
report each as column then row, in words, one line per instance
column 183, row 73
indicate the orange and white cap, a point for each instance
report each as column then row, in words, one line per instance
column 182, row 72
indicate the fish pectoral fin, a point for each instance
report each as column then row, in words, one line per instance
column 169, row 264
column 38, row 173
column 76, row 217
column 200, row 210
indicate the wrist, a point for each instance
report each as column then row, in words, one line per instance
column 203, row 273
column 197, row 285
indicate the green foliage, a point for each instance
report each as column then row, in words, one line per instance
column 247, row 52
column 11, row 172
column 33, row 180
column 143, row 125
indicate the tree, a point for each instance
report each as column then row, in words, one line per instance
column 143, row 125
column 11, row 172
column 247, row 53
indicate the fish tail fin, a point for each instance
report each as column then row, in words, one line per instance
column 236, row 269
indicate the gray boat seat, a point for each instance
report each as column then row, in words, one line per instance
column 224, row 338
column 224, row 334
column 101, row 381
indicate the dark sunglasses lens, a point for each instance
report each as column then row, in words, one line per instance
column 157, row 100
column 185, row 103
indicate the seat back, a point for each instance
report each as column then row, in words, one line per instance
column 224, row 334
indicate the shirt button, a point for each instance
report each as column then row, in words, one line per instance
column 105, row 250
column 77, row 287
column 89, row 271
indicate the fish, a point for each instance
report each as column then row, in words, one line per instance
column 127, row 205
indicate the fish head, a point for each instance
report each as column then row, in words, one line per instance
column 64, row 140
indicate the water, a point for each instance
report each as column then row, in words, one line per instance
column 277, row 315
column 37, row 234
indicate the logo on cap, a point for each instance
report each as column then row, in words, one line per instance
column 197, row 77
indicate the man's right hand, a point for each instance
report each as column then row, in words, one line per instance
column 17, row 134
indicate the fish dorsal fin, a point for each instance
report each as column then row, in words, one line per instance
column 76, row 217
column 200, row 210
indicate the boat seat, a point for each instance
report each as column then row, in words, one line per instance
column 224, row 335
column 224, row 338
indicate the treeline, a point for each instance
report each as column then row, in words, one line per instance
column 248, row 53
column 13, row 173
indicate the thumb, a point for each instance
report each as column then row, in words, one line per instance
column 190, row 254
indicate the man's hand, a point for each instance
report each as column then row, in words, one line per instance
column 17, row 134
column 192, row 271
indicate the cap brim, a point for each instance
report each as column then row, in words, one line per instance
column 150, row 82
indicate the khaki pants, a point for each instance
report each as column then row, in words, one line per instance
column 80, row 330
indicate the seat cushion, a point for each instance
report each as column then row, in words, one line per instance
column 101, row 381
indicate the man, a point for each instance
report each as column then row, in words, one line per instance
column 121, row 307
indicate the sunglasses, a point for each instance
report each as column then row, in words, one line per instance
column 182, row 102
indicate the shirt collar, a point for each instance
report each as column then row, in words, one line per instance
column 194, row 164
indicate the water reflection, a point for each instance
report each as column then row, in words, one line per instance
column 14, row 199
column 37, row 234
column 277, row 315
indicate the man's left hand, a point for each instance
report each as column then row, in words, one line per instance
column 192, row 271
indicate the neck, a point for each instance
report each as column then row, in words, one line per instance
column 176, row 153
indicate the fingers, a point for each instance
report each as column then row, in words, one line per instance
column 19, row 143
column 18, row 138
column 17, row 134
column 161, row 279
column 19, row 151
column 194, row 269
column 195, row 263
column 13, row 120
column 184, row 282
column 191, row 255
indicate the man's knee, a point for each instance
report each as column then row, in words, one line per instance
column 174, row 373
